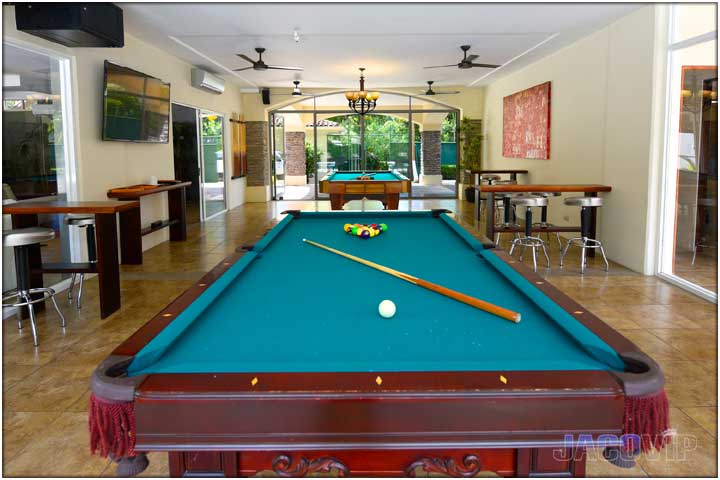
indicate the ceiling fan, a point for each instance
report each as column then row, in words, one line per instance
column 467, row 61
column 261, row 66
column 296, row 92
column 430, row 91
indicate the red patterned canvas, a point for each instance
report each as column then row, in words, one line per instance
column 526, row 123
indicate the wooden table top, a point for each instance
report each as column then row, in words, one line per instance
column 137, row 191
column 589, row 188
column 59, row 206
column 510, row 171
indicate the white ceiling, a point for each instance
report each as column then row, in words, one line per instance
column 393, row 41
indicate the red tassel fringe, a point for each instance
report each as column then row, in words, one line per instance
column 112, row 428
column 648, row 417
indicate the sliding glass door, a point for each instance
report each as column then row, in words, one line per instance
column 199, row 155
column 212, row 139
column 688, row 253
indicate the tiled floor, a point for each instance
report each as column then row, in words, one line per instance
column 45, row 390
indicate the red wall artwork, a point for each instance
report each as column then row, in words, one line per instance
column 526, row 123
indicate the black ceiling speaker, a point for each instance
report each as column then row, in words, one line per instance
column 266, row 96
column 72, row 24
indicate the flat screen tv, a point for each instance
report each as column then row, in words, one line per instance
column 136, row 107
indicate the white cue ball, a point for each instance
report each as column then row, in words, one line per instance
column 387, row 309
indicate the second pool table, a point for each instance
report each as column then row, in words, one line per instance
column 384, row 185
column 277, row 360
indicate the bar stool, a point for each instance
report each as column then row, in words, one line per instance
column 703, row 204
column 543, row 223
column 584, row 241
column 86, row 222
column 489, row 179
column 504, row 203
column 485, row 179
column 529, row 241
column 21, row 240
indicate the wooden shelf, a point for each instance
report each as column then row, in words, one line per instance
column 164, row 224
column 134, row 192
column 67, row 267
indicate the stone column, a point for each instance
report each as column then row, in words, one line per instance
column 258, row 174
column 430, row 173
column 295, row 158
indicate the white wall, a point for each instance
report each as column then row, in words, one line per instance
column 601, row 126
column 103, row 165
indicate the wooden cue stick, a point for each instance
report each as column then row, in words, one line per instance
column 460, row 297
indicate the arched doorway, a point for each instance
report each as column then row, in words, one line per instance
column 316, row 135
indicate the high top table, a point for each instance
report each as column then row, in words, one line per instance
column 512, row 172
column 130, row 229
column 25, row 214
column 489, row 191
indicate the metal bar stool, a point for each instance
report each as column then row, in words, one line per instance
column 528, row 241
column 86, row 222
column 479, row 199
column 586, row 204
column 703, row 204
column 21, row 239
column 504, row 203
column 543, row 223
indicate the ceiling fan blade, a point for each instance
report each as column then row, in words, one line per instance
column 442, row 66
column 484, row 65
column 278, row 67
column 245, row 57
column 446, row 93
column 242, row 69
column 471, row 58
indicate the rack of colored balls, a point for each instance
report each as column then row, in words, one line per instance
column 365, row 230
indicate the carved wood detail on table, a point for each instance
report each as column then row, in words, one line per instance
column 446, row 466
column 283, row 466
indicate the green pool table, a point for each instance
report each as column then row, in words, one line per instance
column 278, row 360
column 383, row 185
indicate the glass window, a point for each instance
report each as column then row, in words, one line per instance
column 690, row 20
column 34, row 146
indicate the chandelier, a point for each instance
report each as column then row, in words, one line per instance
column 362, row 101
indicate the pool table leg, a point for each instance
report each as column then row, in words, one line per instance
column 337, row 200
column 393, row 201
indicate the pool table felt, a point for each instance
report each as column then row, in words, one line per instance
column 350, row 176
column 287, row 306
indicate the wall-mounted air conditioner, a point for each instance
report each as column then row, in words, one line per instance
column 207, row 81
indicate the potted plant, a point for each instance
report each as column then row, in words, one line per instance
column 471, row 142
column 310, row 162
